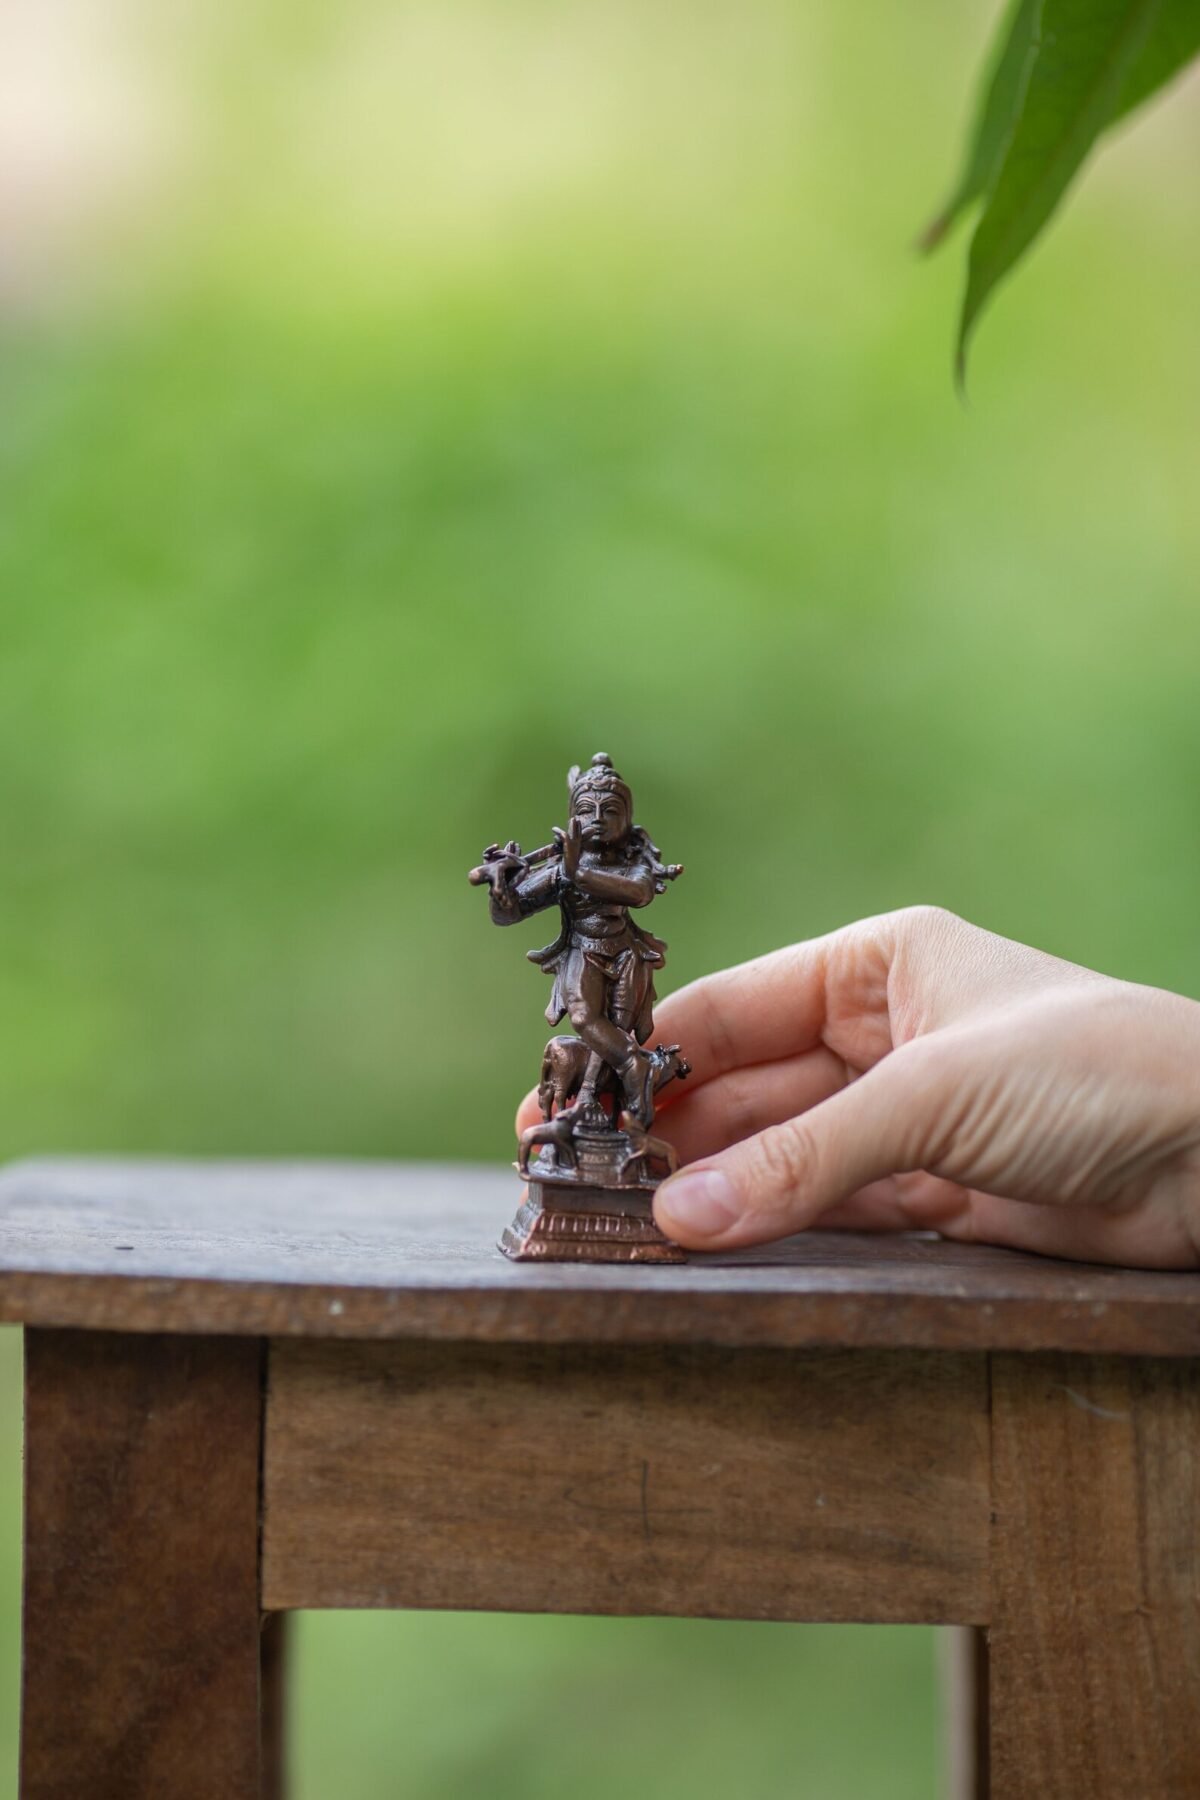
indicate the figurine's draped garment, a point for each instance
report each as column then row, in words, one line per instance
column 596, row 934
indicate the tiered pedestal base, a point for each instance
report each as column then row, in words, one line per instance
column 570, row 1221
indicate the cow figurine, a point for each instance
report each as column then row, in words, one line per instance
column 565, row 1073
column 564, row 1061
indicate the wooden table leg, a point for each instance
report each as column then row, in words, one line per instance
column 1095, row 1641
column 141, row 1615
column 274, row 1705
column 963, row 1653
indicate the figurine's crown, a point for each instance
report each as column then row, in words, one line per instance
column 599, row 778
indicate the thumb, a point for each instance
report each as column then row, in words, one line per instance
column 784, row 1178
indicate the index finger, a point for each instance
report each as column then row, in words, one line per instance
column 830, row 990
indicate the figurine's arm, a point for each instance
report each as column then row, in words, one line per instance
column 509, row 902
column 631, row 888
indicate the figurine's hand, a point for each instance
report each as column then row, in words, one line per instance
column 498, row 866
column 915, row 1072
column 571, row 843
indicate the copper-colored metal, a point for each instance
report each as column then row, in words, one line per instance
column 591, row 1188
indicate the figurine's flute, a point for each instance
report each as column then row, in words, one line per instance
column 493, row 856
column 510, row 853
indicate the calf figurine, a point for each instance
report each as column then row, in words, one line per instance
column 645, row 1149
column 558, row 1132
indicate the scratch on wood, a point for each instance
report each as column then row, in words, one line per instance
column 629, row 1509
column 1089, row 1406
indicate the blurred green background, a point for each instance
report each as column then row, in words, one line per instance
column 399, row 402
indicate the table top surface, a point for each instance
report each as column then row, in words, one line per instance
column 381, row 1250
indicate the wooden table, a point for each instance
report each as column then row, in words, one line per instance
column 258, row 1387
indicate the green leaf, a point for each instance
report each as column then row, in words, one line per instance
column 1088, row 54
column 997, row 109
column 1173, row 42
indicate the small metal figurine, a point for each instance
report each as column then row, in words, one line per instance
column 592, row 1186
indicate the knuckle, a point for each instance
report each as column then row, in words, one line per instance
column 929, row 919
column 716, row 1027
column 741, row 1115
column 785, row 1161
column 931, row 1081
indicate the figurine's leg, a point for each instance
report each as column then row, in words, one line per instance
column 591, row 1075
column 585, row 988
column 625, row 1007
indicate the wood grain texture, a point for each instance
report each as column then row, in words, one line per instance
column 702, row 1483
column 141, row 1614
column 1095, row 1639
column 370, row 1250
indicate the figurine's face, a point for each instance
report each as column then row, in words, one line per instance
column 602, row 818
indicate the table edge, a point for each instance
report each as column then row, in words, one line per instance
column 520, row 1313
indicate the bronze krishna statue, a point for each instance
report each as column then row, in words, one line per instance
column 592, row 1185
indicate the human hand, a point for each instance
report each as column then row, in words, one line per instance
column 915, row 1072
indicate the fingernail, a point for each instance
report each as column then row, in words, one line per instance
column 702, row 1200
